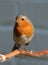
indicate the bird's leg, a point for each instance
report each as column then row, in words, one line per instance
column 25, row 46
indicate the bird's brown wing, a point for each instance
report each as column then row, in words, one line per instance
column 16, row 46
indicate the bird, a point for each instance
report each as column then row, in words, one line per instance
column 23, row 31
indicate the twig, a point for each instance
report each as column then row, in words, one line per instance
column 23, row 52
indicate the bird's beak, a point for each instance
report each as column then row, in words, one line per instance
column 16, row 21
column 16, row 17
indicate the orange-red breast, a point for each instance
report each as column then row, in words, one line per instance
column 23, row 31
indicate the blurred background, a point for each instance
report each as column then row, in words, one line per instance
column 37, row 11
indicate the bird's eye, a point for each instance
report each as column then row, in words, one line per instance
column 22, row 19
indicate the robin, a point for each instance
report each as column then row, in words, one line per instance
column 23, row 31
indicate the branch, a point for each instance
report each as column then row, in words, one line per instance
column 22, row 52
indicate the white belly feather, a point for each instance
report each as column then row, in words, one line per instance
column 22, row 39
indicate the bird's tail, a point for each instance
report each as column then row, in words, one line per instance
column 16, row 46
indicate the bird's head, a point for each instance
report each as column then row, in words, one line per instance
column 22, row 20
